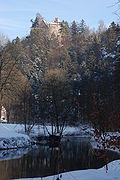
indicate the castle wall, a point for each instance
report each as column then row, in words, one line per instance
column 55, row 28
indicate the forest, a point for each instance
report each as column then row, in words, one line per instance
column 62, row 79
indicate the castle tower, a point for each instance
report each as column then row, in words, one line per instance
column 55, row 27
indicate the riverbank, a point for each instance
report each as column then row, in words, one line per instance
column 10, row 139
column 113, row 173
column 111, row 141
column 13, row 135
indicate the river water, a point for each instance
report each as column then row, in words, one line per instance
column 39, row 161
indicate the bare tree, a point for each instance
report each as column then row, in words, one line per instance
column 117, row 7
column 10, row 57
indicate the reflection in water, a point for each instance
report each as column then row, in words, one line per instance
column 74, row 154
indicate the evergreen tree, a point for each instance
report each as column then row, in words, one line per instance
column 117, row 73
column 82, row 27
column 37, row 22
column 65, row 34
column 74, row 33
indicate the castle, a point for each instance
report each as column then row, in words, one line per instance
column 53, row 27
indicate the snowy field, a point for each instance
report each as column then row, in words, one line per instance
column 113, row 173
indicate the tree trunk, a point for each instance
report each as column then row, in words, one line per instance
column 0, row 93
column 24, row 113
column 55, row 112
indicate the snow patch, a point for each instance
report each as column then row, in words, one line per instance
column 10, row 139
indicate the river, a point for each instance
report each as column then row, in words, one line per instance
column 74, row 153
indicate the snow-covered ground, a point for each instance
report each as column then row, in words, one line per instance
column 113, row 173
column 81, row 130
column 9, row 138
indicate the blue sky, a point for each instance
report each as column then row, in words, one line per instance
column 15, row 15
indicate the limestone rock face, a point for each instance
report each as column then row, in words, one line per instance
column 55, row 28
